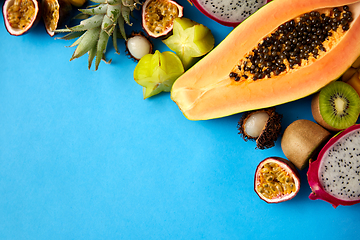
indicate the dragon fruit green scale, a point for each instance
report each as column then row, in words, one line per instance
column 335, row 176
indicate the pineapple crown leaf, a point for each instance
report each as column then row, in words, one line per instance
column 98, row 9
column 114, row 39
column 105, row 19
column 81, row 16
column 77, row 42
column 71, row 35
column 99, row 1
column 91, row 22
column 101, row 47
column 122, row 27
column 88, row 41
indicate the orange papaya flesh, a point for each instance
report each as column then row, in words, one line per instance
column 207, row 91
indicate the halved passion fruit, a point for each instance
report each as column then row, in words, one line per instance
column 158, row 16
column 276, row 180
column 55, row 12
column 20, row 15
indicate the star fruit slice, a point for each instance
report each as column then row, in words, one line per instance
column 190, row 40
column 157, row 72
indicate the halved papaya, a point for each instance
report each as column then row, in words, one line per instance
column 237, row 76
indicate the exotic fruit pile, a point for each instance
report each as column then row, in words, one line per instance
column 335, row 175
column 257, row 66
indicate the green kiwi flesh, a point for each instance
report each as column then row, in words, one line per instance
column 336, row 106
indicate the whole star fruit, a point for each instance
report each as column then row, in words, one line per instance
column 190, row 41
column 157, row 72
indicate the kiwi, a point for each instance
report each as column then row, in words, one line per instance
column 302, row 140
column 336, row 106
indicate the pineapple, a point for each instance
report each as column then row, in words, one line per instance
column 104, row 20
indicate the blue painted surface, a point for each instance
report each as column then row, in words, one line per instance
column 84, row 156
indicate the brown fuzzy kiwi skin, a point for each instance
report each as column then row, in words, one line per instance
column 302, row 140
column 315, row 110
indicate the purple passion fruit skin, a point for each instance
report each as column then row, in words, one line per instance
column 158, row 16
column 276, row 180
column 20, row 15
column 55, row 14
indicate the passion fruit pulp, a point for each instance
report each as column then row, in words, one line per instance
column 276, row 180
column 158, row 16
column 55, row 14
column 20, row 15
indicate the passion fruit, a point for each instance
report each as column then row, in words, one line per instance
column 158, row 16
column 55, row 14
column 276, row 180
column 20, row 15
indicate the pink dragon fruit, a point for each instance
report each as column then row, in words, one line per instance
column 228, row 12
column 335, row 176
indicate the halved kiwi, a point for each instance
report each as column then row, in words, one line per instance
column 336, row 106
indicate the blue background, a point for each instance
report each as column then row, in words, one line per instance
column 84, row 156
